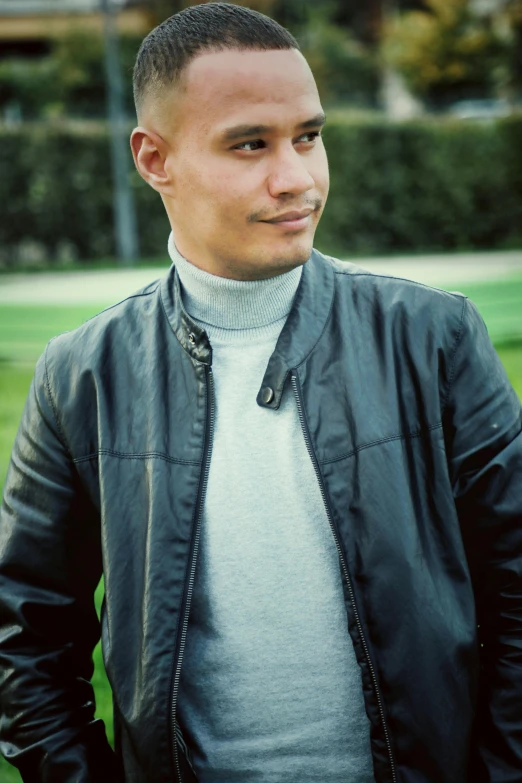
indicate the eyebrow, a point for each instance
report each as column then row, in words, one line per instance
column 241, row 131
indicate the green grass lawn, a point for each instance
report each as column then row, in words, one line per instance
column 500, row 304
column 24, row 332
column 25, row 329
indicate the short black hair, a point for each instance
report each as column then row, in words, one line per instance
column 210, row 27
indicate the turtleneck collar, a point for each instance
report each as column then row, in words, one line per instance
column 234, row 304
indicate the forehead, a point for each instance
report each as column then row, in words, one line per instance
column 222, row 86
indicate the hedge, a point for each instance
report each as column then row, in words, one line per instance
column 424, row 186
column 56, row 186
column 409, row 187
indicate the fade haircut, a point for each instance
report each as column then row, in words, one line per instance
column 169, row 48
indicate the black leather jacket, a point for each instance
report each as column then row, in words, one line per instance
column 415, row 435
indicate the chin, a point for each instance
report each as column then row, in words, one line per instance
column 278, row 264
column 296, row 252
column 265, row 260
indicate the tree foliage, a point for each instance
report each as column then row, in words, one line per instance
column 69, row 81
column 442, row 48
column 446, row 51
column 345, row 69
column 512, row 14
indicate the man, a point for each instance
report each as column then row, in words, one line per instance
column 301, row 481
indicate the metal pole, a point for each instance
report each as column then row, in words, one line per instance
column 124, row 211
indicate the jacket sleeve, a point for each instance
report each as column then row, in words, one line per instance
column 483, row 425
column 50, row 564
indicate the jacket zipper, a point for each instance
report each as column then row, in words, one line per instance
column 190, row 588
column 311, row 452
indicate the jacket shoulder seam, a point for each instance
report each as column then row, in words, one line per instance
column 106, row 310
column 60, row 432
column 140, row 455
column 455, row 294
column 122, row 301
column 453, row 359
column 401, row 436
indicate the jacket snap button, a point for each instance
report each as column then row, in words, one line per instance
column 192, row 338
column 267, row 394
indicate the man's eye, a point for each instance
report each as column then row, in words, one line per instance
column 313, row 136
column 245, row 143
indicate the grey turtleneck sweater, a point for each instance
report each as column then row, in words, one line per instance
column 270, row 688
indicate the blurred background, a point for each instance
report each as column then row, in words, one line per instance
column 424, row 99
column 424, row 138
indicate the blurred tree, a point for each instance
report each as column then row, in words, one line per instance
column 511, row 17
column 365, row 20
column 79, row 59
column 70, row 81
column 446, row 52
column 338, row 38
column 26, row 85
column 161, row 9
column 345, row 69
column 264, row 6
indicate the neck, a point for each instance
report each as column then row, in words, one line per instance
column 234, row 304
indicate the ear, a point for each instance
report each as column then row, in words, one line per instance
column 149, row 151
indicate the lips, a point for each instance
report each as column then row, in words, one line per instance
column 290, row 216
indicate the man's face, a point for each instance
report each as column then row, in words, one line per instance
column 227, row 182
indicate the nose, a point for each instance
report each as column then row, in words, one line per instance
column 289, row 173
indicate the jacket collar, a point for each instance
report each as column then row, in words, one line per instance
column 192, row 338
column 302, row 330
